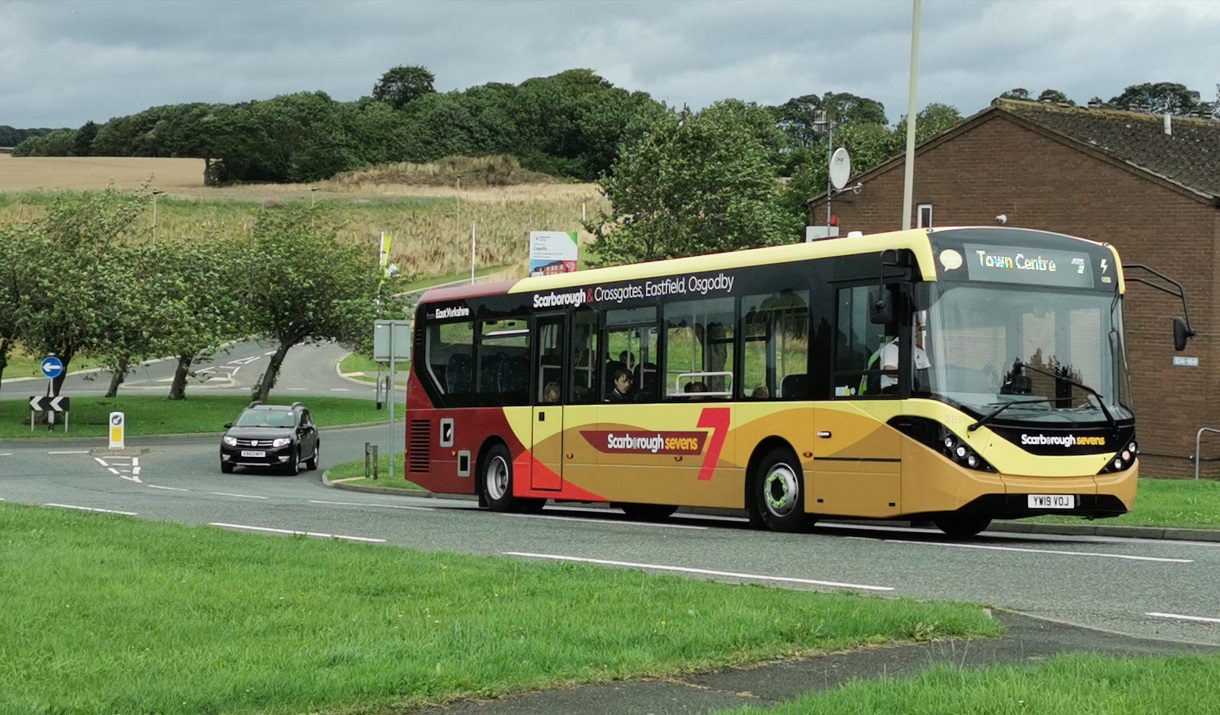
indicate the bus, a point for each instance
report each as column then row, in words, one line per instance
column 950, row 375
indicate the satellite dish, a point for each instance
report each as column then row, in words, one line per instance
column 840, row 168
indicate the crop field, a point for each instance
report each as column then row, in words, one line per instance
column 431, row 225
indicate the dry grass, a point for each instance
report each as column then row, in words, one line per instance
column 431, row 224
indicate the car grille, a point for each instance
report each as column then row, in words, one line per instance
column 265, row 442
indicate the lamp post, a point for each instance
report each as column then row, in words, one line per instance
column 312, row 196
column 155, row 194
column 824, row 120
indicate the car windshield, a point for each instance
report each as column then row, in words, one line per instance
column 265, row 418
column 991, row 345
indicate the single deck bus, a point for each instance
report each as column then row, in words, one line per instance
column 954, row 375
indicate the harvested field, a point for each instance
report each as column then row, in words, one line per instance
column 83, row 173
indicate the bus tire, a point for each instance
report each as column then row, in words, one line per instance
column 962, row 525
column 648, row 512
column 496, row 479
column 778, row 488
column 496, row 483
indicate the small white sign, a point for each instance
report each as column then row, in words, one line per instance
column 553, row 252
column 1181, row 361
column 814, row 233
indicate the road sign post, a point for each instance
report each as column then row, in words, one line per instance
column 118, row 429
column 50, row 405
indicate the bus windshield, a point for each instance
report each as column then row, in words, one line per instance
column 990, row 345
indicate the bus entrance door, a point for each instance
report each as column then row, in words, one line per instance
column 547, row 465
column 546, row 468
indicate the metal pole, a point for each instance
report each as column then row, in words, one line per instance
column 830, row 148
column 390, row 397
column 1199, row 457
column 909, row 173
column 472, row 252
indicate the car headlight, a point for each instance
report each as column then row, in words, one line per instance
column 229, row 441
column 281, row 442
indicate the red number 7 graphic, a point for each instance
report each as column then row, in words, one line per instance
column 717, row 420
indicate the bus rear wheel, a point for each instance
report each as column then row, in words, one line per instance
column 962, row 525
column 497, row 483
column 779, row 493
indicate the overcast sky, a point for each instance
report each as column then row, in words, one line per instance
column 64, row 62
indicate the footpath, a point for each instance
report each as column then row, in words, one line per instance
column 1026, row 640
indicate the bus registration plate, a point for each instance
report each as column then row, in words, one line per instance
column 1052, row 501
column 250, row 453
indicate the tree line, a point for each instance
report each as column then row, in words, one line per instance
column 84, row 278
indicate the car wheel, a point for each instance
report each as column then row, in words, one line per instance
column 312, row 463
column 779, row 493
column 226, row 468
column 293, row 467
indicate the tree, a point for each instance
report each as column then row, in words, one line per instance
column 1017, row 93
column 20, row 269
column 1054, row 95
column 402, row 85
column 303, row 285
column 697, row 184
column 1158, row 98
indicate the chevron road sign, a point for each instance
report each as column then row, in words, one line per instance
column 59, row 403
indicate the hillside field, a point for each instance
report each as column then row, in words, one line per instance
column 431, row 225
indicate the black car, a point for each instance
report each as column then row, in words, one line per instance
column 280, row 436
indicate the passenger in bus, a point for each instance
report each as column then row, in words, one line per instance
column 760, row 393
column 627, row 359
column 889, row 362
column 694, row 388
column 550, row 393
column 621, row 390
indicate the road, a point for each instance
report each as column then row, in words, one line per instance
column 1144, row 588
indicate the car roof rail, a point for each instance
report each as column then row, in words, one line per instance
column 297, row 404
column 255, row 403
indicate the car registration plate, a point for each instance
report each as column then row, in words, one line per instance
column 1052, row 501
column 252, row 453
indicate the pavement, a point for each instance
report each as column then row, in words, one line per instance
column 1026, row 640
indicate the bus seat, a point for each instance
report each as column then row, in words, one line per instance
column 457, row 374
column 512, row 374
column 646, row 379
column 796, row 385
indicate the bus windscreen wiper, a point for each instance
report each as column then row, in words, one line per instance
column 1026, row 366
column 987, row 417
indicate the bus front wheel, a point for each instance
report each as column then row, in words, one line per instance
column 779, row 493
column 962, row 525
column 497, row 483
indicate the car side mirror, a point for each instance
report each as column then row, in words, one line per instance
column 1181, row 333
column 228, row 425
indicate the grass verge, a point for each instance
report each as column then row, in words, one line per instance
column 1165, row 503
column 146, row 415
column 351, row 470
column 1065, row 685
column 108, row 614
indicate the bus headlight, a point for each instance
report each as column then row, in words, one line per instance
column 961, row 453
column 1123, row 459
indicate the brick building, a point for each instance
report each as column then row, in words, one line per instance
column 1146, row 184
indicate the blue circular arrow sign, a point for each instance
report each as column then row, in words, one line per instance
column 52, row 367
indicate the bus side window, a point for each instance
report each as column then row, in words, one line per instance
column 775, row 340
column 584, row 363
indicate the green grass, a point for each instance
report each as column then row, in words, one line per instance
column 384, row 479
column 364, row 369
column 1166, row 503
column 105, row 614
column 1066, row 685
column 157, row 415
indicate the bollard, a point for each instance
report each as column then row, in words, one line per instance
column 370, row 460
column 118, row 428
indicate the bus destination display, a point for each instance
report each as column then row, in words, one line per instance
column 1013, row 264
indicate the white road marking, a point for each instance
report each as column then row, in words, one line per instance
column 296, row 533
column 296, row 389
column 246, row 360
column 6, row 454
column 135, row 471
column 70, row 451
column 1129, row 557
column 113, row 470
column 86, row 508
column 608, row 521
column 101, row 461
column 1180, row 617
column 239, row 496
column 168, row 489
column 705, row 572
column 339, row 389
column 379, row 506
column 135, row 462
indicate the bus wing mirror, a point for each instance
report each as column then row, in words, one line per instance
column 880, row 308
column 1181, row 333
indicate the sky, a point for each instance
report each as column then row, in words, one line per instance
column 66, row 62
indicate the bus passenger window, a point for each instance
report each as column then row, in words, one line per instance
column 776, row 339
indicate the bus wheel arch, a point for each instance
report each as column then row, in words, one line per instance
column 775, row 488
column 495, row 480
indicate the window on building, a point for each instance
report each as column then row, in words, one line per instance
column 925, row 216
